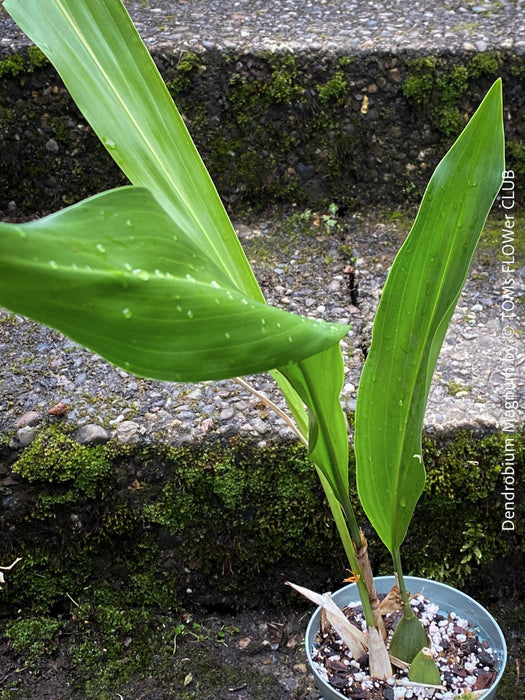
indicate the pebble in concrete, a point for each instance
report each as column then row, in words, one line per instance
column 91, row 434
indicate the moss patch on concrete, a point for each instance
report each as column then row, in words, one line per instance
column 217, row 518
column 302, row 128
column 150, row 532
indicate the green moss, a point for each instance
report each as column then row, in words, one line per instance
column 454, row 388
column 283, row 86
column 230, row 516
column 46, row 574
column 112, row 651
column 55, row 458
column 334, row 90
column 233, row 512
column 33, row 637
column 345, row 61
column 36, row 58
column 12, row 65
column 517, row 67
column 273, row 114
column 463, row 480
column 218, row 494
column 280, row 86
column 421, row 79
column 431, row 85
column 484, row 64
column 188, row 66
column 436, row 86
column 15, row 64
column 516, row 156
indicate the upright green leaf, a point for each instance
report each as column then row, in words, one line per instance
column 415, row 309
column 114, row 82
column 118, row 275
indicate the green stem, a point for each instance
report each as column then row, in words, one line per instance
column 349, row 546
column 355, row 532
column 407, row 608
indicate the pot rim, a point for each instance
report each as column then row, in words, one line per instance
column 500, row 649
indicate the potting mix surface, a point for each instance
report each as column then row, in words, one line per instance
column 465, row 662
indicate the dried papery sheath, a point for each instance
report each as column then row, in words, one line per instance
column 354, row 639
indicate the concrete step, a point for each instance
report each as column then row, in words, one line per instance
column 304, row 266
column 296, row 102
column 290, row 101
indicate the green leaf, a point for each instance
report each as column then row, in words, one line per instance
column 415, row 309
column 409, row 637
column 114, row 82
column 318, row 381
column 423, row 669
column 118, row 275
column 293, row 401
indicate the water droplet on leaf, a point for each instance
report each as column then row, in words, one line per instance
column 141, row 274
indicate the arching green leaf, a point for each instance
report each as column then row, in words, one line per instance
column 118, row 275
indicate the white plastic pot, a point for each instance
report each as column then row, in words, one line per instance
column 447, row 598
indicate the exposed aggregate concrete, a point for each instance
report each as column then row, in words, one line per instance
column 40, row 368
column 322, row 24
column 302, row 273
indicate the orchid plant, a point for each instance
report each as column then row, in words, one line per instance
column 152, row 277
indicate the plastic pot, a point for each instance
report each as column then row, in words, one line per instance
column 447, row 598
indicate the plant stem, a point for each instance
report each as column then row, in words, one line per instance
column 355, row 532
column 351, row 538
column 407, row 608
column 366, row 571
column 349, row 546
